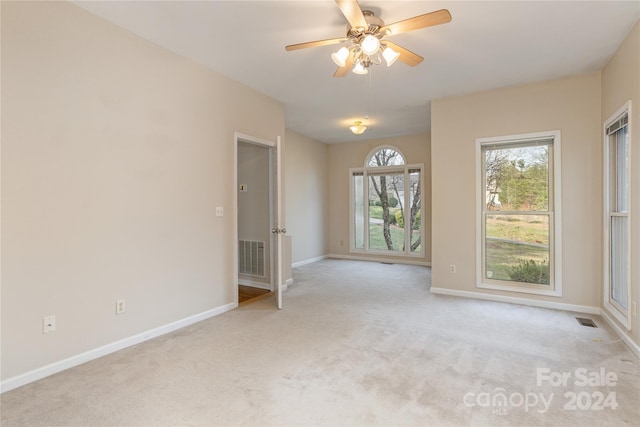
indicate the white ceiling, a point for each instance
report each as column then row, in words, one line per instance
column 488, row 44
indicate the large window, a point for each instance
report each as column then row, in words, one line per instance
column 617, row 201
column 518, row 213
column 386, row 197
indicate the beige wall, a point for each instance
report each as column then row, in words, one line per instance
column 254, row 219
column 115, row 153
column 416, row 149
column 307, row 189
column 621, row 83
column 571, row 105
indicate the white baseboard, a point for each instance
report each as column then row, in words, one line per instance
column 286, row 284
column 308, row 261
column 45, row 371
column 381, row 259
column 633, row 346
column 515, row 300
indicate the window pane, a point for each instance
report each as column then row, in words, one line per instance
column 517, row 177
column 385, row 193
column 619, row 155
column 415, row 204
column 619, row 261
column 517, row 248
column 358, row 211
column 385, row 157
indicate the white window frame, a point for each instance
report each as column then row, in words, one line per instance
column 555, row 225
column 621, row 315
column 399, row 169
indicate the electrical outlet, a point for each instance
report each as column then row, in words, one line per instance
column 219, row 211
column 49, row 324
column 452, row 269
column 120, row 306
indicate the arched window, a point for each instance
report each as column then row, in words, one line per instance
column 385, row 192
column 384, row 156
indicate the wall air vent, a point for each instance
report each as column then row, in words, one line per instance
column 251, row 258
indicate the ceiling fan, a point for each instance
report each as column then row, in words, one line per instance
column 365, row 39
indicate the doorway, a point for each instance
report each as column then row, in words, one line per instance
column 258, row 242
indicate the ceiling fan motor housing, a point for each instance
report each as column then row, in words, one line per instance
column 374, row 22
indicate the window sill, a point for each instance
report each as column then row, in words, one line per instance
column 387, row 253
column 521, row 289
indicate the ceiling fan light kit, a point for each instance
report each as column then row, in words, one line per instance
column 390, row 56
column 363, row 58
column 340, row 57
column 360, row 69
column 365, row 34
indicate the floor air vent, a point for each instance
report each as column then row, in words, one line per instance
column 586, row 322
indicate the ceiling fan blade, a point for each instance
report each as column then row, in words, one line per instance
column 326, row 42
column 422, row 21
column 351, row 10
column 406, row 56
column 343, row 71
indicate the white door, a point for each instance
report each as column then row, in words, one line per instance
column 278, row 231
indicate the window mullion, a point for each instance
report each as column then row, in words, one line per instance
column 407, row 214
column 365, row 223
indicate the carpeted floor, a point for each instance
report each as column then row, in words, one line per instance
column 356, row 344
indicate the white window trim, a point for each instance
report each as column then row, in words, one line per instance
column 405, row 168
column 556, row 291
column 616, row 311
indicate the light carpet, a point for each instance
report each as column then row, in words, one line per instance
column 358, row 343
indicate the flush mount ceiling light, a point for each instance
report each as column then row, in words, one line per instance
column 365, row 39
column 358, row 128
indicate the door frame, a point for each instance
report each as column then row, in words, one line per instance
column 272, row 146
